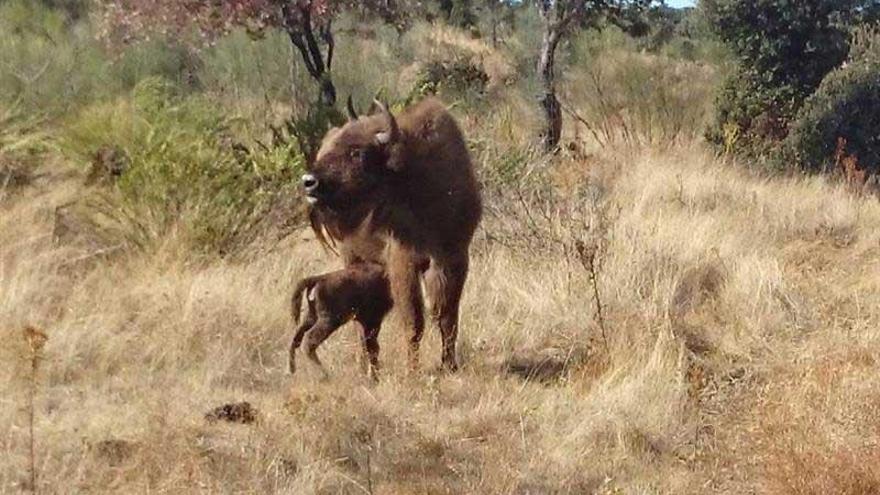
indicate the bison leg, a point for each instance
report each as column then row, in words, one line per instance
column 304, row 327
column 406, row 291
column 444, row 282
column 315, row 337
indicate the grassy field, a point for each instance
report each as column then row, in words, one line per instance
column 718, row 333
column 740, row 354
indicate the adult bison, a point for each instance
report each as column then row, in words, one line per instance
column 402, row 192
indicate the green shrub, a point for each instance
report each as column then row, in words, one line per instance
column 460, row 77
column 458, row 12
column 843, row 116
column 307, row 131
column 22, row 143
column 784, row 49
column 503, row 165
column 188, row 172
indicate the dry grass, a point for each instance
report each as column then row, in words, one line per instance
column 742, row 356
column 623, row 96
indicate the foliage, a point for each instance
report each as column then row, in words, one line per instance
column 663, row 24
column 625, row 95
column 457, row 77
column 783, row 49
column 307, row 131
column 187, row 171
column 74, row 9
column 22, row 141
column 497, row 18
column 39, row 57
column 307, row 23
column 558, row 18
column 459, row 12
column 52, row 64
column 843, row 116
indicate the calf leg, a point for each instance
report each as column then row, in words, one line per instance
column 301, row 330
column 363, row 362
column 370, row 342
column 316, row 336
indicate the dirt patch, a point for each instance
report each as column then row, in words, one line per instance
column 239, row 412
column 114, row 451
column 108, row 165
column 13, row 176
column 540, row 368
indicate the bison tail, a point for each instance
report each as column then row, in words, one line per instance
column 302, row 287
column 434, row 287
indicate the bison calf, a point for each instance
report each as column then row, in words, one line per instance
column 360, row 292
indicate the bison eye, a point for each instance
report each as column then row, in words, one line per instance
column 356, row 154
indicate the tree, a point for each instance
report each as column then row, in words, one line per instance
column 837, row 125
column 558, row 18
column 458, row 12
column 784, row 49
column 308, row 24
column 497, row 13
column 75, row 9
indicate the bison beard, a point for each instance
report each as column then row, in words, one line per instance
column 402, row 192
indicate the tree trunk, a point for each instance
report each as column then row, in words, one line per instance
column 552, row 132
column 301, row 31
column 328, row 91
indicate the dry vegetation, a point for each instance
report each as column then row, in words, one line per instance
column 741, row 356
column 738, row 349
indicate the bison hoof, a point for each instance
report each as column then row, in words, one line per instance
column 449, row 366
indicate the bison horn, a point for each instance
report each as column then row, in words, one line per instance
column 349, row 105
column 390, row 135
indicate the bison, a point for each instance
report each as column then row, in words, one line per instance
column 359, row 292
column 401, row 191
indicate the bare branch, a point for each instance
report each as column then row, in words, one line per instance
column 327, row 37
column 311, row 42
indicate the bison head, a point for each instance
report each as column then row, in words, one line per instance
column 353, row 162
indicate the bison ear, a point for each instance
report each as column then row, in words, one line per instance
column 391, row 133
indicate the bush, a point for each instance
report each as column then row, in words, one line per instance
column 187, row 171
column 21, row 144
column 843, row 116
column 784, row 50
column 458, row 77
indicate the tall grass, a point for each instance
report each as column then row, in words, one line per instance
column 50, row 64
column 23, row 140
column 617, row 94
column 756, row 358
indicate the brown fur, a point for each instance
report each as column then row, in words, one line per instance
column 411, row 202
column 360, row 292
